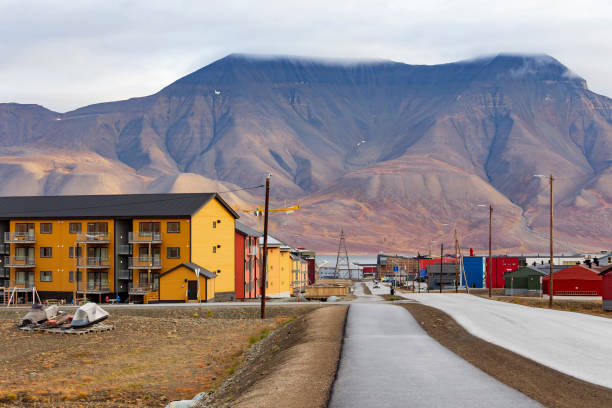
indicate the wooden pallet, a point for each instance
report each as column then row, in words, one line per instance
column 57, row 330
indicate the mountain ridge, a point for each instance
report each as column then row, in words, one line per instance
column 320, row 126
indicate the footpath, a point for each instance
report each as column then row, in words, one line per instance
column 388, row 360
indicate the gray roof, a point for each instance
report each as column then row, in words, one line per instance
column 193, row 267
column 243, row 229
column 101, row 206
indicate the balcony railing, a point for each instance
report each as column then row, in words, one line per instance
column 19, row 262
column 140, row 288
column 92, row 262
column 93, row 287
column 20, row 285
column 138, row 237
column 144, row 263
column 124, row 274
column 20, row 237
column 93, row 237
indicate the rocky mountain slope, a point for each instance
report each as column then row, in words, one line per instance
column 397, row 154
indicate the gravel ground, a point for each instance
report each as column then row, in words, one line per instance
column 154, row 355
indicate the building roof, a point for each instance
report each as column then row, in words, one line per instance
column 524, row 272
column 576, row 272
column 112, row 206
column 190, row 265
column 244, row 230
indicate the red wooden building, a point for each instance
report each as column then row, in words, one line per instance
column 606, row 288
column 574, row 281
column 247, row 262
column 501, row 265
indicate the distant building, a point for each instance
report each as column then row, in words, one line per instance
column 248, row 262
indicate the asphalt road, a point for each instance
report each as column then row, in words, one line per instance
column 388, row 360
column 576, row 344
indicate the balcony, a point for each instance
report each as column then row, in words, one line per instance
column 124, row 274
column 144, row 263
column 93, row 238
column 20, row 237
column 140, row 288
column 93, row 287
column 20, row 285
column 137, row 237
column 19, row 262
column 92, row 262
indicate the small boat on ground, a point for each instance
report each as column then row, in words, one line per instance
column 36, row 315
column 87, row 315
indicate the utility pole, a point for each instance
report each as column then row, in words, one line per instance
column 490, row 253
column 550, row 283
column 456, row 262
column 264, row 257
column 441, row 263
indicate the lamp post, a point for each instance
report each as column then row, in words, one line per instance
column 550, row 280
column 490, row 283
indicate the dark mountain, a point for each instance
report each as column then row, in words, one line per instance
column 402, row 149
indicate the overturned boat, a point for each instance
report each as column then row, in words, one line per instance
column 36, row 315
column 87, row 315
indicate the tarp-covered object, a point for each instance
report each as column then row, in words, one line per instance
column 87, row 315
column 34, row 316
column 51, row 311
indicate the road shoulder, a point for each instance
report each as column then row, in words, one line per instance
column 305, row 351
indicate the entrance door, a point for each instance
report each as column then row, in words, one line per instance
column 192, row 290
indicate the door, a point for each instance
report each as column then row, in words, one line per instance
column 192, row 290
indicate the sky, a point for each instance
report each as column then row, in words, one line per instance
column 71, row 53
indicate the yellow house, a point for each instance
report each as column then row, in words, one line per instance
column 278, row 275
column 117, row 245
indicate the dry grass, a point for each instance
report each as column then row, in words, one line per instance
column 146, row 361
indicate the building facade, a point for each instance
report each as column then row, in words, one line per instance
column 116, row 245
column 248, row 262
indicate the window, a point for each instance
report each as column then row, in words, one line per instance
column 174, row 252
column 214, row 224
column 174, row 227
column 45, row 252
column 143, row 253
column 71, row 276
column 46, row 276
column 214, row 250
column 147, row 229
column 74, row 227
column 71, row 252
column 143, row 278
column 46, row 228
column 97, row 228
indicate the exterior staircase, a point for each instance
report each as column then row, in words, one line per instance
column 151, row 297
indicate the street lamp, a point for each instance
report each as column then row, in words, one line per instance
column 550, row 280
column 490, row 252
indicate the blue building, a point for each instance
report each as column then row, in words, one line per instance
column 475, row 271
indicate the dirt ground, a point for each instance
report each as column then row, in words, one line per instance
column 294, row 367
column 366, row 289
column 154, row 355
column 545, row 385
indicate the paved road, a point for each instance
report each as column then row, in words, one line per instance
column 388, row 360
column 576, row 344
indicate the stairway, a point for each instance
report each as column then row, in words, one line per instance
column 151, row 297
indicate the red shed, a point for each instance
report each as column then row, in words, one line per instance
column 606, row 290
column 574, row 281
column 501, row 265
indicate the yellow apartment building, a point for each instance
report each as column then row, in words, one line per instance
column 278, row 275
column 139, row 247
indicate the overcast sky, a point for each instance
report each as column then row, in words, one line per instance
column 66, row 54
